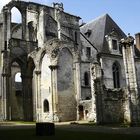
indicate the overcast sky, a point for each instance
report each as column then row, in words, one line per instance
column 126, row 13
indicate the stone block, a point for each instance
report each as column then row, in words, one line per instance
column 45, row 129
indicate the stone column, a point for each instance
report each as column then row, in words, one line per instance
column 8, row 26
column 6, row 87
column 54, row 92
column 58, row 9
column 97, row 91
column 4, row 97
column 24, row 35
column 77, row 80
column 38, row 96
column 132, row 100
column 27, row 97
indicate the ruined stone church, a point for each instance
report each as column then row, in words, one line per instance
column 52, row 69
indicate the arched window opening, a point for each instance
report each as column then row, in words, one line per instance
column 46, row 106
column 116, row 75
column 16, row 16
column 86, row 79
column 86, row 113
column 76, row 38
column 18, row 84
column 16, row 23
column 18, row 77
column 81, row 112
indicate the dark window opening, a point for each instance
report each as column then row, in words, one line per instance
column 18, row 83
column 86, row 113
column 116, row 75
column 18, row 93
column 88, row 52
column 46, row 106
column 76, row 38
column 114, row 44
column 88, row 33
column 81, row 112
column 88, row 98
column 86, row 79
column 5, row 45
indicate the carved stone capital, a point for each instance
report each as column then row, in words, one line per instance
column 53, row 67
column 54, row 53
column 128, row 41
column 37, row 72
column 5, row 75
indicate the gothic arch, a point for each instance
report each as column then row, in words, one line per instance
column 86, row 78
column 116, row 74
column 65, row 85
column 68, row 50
column 46, row 106
column 15, row 12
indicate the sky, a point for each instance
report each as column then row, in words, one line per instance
column 126, row 13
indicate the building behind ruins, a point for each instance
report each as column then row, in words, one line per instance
column 68, row 71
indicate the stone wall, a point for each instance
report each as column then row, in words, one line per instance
column 65, row 87
column 16, row 97
column 87, row 109
column 46, row 87
column 138, row 72
column 113, row 106
column 85, row 89
column 107, row 63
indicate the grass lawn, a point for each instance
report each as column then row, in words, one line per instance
column 29, row 134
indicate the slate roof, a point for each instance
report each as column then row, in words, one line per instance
column 101, row 27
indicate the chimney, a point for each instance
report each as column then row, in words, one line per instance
column 137, row 37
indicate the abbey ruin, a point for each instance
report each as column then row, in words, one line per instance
column 66, row 71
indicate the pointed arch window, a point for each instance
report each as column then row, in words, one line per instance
column 16, row 16
column 46, row 105
column 116, row 75
column 18, row 84
column 86, row 79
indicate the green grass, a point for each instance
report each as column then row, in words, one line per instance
column 29, row 134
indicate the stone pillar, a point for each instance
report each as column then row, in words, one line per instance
column 58, row 9
column 27, row 97
column 54, row 92
column 97, row 91
column 4, row 97
column 24, row 35
column 131, row 81
column 38, row 96
column 77, row 82
column 5, row 85
column 137, row 36
column 41, row 28
column 8, row 26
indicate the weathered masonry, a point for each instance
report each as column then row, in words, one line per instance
column 53, row 69
column 44, row 49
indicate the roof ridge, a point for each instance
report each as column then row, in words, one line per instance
column 96, row 19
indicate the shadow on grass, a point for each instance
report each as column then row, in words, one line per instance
column 25, row 134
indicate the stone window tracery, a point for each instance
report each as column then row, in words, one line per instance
column 86, row 79
column 116, row 75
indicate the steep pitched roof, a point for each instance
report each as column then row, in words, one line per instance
column 101, row 27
